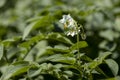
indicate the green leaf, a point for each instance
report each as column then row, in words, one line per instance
column 105, row 34
column 88, row 59
column 100, row 71
column 15, row 69
column 56, row 50
column 32, row 41
column 113, row 66
column 107, row 45
column 1, row 50
column 80, row 44
column 34, row 72
column 62, row 59
column 117, row 23
column 28, row 29
column 58, row 58
column 92, row 65
column 34, row 19
column 11, row 41
column 43, row 23
column 58, row 37
column 2, row 2
column 68, row 73
column 114, row 78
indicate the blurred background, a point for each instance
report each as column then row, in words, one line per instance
column 100, row 19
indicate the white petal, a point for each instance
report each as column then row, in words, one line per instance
column 65, row 17
column 69, row 17
column 68, row 33
column 72, row 34
column 62, row 21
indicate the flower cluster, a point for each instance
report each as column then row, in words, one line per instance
column 70, row 25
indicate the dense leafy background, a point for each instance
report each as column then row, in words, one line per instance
column 33, row 45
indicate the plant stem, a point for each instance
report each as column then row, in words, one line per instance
column 78, row 62
column 78, row 41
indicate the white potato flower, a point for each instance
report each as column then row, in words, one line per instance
column 69, row 25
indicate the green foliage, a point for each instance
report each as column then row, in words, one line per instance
column 81, row 44
column 1, row 50
column 39, row 24
column 113, row 66
column 33, row 45
column 97, row 61
column 15, row 69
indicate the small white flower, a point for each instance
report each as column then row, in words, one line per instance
column 65, row 18
column 72, row 33
column 68, row 21
column 70, row 25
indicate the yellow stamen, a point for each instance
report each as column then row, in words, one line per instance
column 65, row 26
